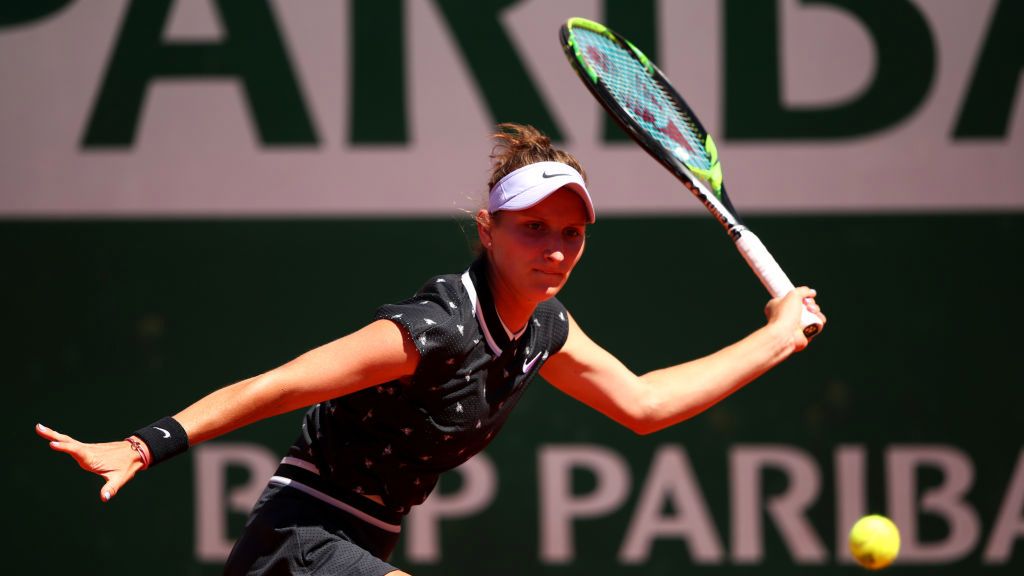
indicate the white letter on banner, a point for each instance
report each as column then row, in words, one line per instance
column 211, row 462
column 786, row 509
column 1009, row 524
column 851, row 465
column 479, row 485
column 558, row 505
column 945, row 501
column 671, row 477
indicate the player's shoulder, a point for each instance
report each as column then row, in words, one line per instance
column 552, row 319
column 444, row 286
column 436, row 316
column 444, row 296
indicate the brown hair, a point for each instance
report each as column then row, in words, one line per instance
column 518, row 145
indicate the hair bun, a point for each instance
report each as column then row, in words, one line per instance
column 517, row 145
column 521, row 137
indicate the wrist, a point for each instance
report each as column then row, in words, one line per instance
column 779, row 339
column 163, row 440
column 140, row 448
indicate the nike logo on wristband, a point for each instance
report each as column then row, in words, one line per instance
column 546, row 175
column 166, row 433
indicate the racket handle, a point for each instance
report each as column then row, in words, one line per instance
column 771, row 275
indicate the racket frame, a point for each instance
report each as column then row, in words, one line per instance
column 700, row 185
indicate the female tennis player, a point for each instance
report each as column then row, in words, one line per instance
column 432, row 379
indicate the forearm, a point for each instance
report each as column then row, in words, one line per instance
column 680, row 392
column 377, row 353
column 233, row 407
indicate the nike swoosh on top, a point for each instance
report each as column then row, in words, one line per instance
column 546, row 175
column 166, row 433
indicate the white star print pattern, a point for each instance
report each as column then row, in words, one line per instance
column 394, row 438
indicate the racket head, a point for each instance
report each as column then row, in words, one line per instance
column 644, row 103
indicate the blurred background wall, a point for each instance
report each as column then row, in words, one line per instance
column 195, row 191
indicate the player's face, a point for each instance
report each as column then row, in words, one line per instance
column 532, row 251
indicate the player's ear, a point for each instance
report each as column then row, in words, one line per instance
column 484, row 222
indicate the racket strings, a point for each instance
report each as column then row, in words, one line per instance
column 639, row 95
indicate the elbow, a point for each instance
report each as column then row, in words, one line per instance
column 644, row 417
column 645, row 426
column 641, row 428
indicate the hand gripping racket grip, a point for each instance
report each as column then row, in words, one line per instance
column 771, row 275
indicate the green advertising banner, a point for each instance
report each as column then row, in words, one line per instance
column 908, row 405
column 193, row 192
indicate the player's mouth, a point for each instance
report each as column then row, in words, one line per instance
column 558, row 275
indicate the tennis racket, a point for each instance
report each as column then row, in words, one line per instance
column 639, row 97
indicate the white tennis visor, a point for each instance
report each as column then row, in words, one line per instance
column 528, row 185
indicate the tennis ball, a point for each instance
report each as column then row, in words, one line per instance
column 874, row 541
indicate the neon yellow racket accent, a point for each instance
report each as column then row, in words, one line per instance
column 712, row 175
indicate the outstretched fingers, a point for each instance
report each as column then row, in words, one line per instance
column 116, row 462
column 59, row 442
column 52, row 435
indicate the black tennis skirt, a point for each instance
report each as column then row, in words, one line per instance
column 292, row 533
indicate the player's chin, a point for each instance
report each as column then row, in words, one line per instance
column 552, row 292
column 549, row 285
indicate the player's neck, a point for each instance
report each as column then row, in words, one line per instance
column 513, row 311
